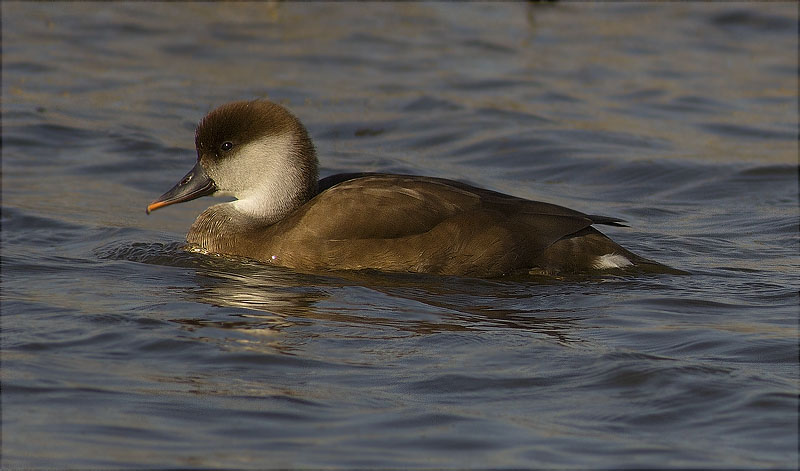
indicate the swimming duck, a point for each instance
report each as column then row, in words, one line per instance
column 259, row 153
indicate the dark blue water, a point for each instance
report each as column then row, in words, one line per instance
column 121, row 350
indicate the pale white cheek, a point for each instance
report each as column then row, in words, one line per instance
column 255, row 166
column 611, row 260
column 261, row 175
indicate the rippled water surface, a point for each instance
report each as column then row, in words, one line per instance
column 120, row 349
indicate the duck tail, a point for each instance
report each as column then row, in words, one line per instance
column 607, row 221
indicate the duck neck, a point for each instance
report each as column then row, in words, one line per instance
column 227, row 227
column 270, row 204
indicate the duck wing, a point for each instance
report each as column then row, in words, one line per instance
column 385, row 206
column 382, row 206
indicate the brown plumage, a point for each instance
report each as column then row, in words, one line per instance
column 261, row 154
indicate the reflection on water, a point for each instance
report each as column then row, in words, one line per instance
column 412, row 303
column 122, row 349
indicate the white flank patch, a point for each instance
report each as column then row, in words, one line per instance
column 611, row 260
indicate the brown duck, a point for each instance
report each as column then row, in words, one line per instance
column 259, row 153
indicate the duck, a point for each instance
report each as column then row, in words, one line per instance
column 282, row 214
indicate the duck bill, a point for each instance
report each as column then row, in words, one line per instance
column 195, row 184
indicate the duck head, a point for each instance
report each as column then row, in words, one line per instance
column 255, row 151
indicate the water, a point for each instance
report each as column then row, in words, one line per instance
column 121, row 350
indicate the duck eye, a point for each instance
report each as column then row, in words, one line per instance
column 226, row 146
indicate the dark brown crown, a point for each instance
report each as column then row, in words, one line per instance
column 241, row 122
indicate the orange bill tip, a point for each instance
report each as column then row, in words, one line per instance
column 155, row 205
